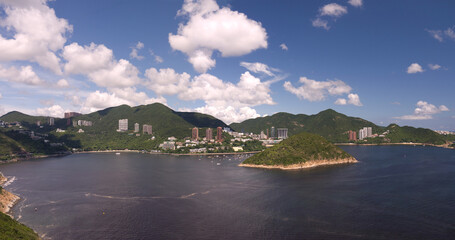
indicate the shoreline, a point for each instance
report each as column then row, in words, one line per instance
column 394, row 144
column 309, row 164
column 7, row 199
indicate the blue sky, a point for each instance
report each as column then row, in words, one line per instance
column 384, row 61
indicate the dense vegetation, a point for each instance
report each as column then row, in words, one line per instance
column 12, row 229
column 334, row 127
column 297, row 149
column 329, row 124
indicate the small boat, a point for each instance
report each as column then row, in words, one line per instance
column 218, row 164
column 117, row 153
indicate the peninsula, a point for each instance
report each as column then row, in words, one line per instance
column 304, row 150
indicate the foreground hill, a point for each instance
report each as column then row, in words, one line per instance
column 300, row 151
column 12, row 229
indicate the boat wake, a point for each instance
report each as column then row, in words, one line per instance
column 10, row 180
column 145, row 198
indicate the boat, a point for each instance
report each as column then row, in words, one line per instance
column 218, row 164
column 117, row 153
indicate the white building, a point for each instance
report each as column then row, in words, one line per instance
column 365, row 132
column 136, row 127
column 123, row 125
column 282, row 133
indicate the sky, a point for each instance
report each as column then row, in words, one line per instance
column 384, row 61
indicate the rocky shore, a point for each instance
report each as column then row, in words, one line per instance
column 308, row 164
column 7, row 199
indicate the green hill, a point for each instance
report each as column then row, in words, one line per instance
column 12, row 229
column 300, row 149
column 416, row 135
column 329, row 124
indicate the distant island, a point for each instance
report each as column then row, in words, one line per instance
column 303, row 150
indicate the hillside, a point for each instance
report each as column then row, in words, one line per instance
column 329, row 124
column 300, row 151
column 12, row 229
column 416, row 135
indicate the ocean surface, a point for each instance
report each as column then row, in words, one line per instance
column 394, row 192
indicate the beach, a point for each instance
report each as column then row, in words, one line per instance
column 309, row 164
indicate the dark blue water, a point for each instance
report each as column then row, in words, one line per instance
column 395, row 192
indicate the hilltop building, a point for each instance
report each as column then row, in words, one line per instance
column 123, row 125
column 219, row 134
column 208, row 134
column 147, row 129
column 282, row 133
column 195, row 135
column 85, row 123
column 136, row 127
column 352, row 135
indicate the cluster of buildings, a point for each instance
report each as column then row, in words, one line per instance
column 123, row 127
column 445, row 132
column 366, row 132
column 208, row 134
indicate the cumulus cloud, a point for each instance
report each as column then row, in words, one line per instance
column 134, row 51
column 157, row 58
column 434, row 66
column 333, row 10
column 24, row 75
column 318, row 22
column 414, row 68
column 356, row 3
column 52, row 111
column 210, row 28
column 166, row 81
column 354, row 100
column 424, row 111
column 37, row 33
column 313, row 90
column 283, row 47
column 100, row 100
column 258, row 67
column 341, row 101
column 98, row 63
column 229, row 114
column 62, row 83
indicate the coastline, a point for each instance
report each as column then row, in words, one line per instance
column 309, row 164
column 7, row 199
column 394, row 144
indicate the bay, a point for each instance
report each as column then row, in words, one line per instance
column 394, row 192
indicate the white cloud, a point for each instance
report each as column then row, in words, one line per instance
column 356, row 3
column 1, row 96
column 414, row 68
column 354, row 100
column 283, row 47
column 434, row 66
column 37, row 33
column 341, row 101
column 157, row 58
column 318, row 22
column 313, row 90
column 436, row 34
column 450, row 33
column 86, row 59
column 333, row 10
column 97, row 61
column 441, row 34
column 134, row 51
column 229, row 114
column 166, row 81
column 424, row 111
column 62, row 83
column 210, row 28
column 24, row 75
column 258, row 67
column 101, row 100
column 53, row 111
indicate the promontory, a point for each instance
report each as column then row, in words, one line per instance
column 304, row 150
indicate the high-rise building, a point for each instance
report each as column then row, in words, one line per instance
column 208, row 134
column 147, row 129
column 219, row 134
column 272, row 130
column 136, row 127
column 51, row 121
column 123, row 125
column 282, row 133
column 195, row 135
column 352, row 136
column 262, row 136
column 369, row 132
column 71, row 114
column 365, row 132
